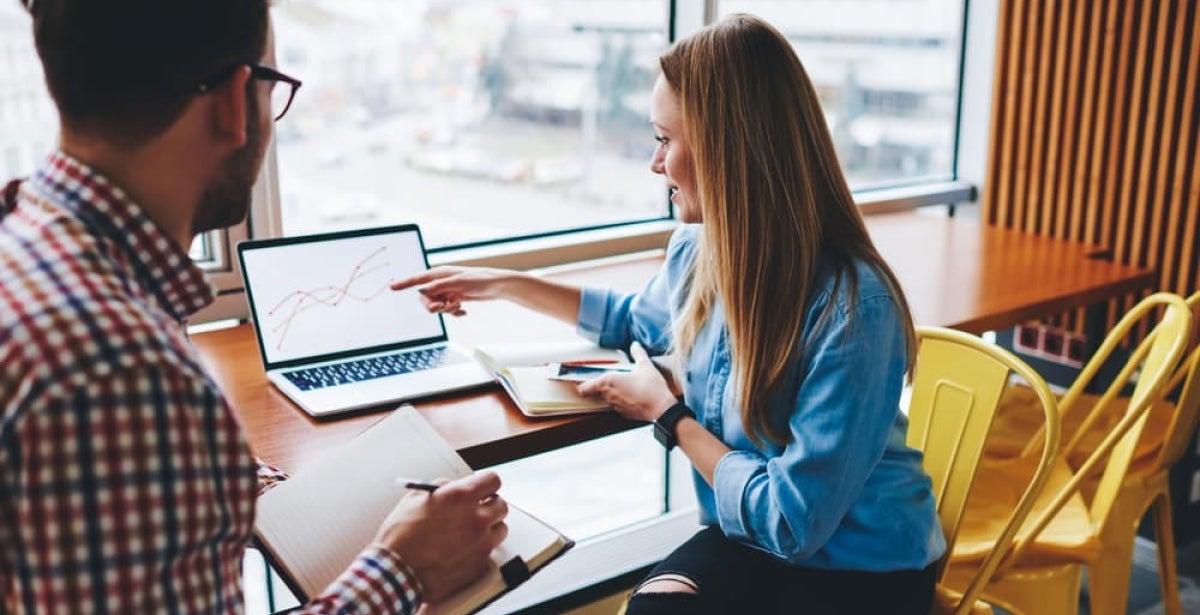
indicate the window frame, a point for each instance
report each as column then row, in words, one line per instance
column 969, row 163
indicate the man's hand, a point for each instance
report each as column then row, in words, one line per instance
column 446, row 537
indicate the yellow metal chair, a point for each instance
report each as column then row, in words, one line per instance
column 1043, row 572
column 958, row 382
column 1163, row 442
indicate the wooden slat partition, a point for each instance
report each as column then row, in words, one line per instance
column 1095, row 131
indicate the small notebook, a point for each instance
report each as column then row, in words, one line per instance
column 527, row 371
column 313, row 525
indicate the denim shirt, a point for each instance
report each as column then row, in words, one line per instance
column 845, row 492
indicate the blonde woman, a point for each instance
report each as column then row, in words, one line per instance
column 794, row 340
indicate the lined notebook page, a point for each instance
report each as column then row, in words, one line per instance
column 316, row 523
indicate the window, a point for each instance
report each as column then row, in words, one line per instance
column 887, row 72
column 594, row 487
column 480, row 120
column 489, row 120
column 27, row 118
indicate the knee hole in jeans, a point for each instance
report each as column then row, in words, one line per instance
column 668, row 583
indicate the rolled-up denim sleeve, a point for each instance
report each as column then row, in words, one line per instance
column 847, row 395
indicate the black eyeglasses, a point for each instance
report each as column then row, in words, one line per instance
column 281, row 98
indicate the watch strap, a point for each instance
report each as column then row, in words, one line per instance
column 668, row 421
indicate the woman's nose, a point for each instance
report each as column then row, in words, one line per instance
column 656, row 162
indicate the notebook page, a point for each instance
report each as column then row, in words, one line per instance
column 497, row 356
column 537, row 389
column 316, row 522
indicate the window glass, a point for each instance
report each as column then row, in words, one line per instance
column 28, row 120
column 201, row 248
column 479, row 119
column 887, row 74
column 594, row 487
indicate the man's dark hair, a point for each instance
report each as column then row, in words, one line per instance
column 124, row 70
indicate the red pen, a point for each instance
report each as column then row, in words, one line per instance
column 589, row 362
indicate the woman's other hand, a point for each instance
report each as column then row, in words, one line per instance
column 641, row 395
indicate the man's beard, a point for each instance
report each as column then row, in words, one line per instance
column 227, row 200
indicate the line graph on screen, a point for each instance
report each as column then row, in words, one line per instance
column 366, row 282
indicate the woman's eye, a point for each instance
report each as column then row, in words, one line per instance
column 661, row 139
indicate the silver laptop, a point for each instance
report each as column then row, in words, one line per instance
column 333, row 336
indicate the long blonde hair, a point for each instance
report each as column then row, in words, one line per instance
column 773, row 200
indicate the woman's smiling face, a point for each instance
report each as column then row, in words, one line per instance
column 673, row 158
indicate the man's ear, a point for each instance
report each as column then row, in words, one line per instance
column 230, row 108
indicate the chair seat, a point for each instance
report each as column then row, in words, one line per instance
column 1019, row 416
column 1069, row 538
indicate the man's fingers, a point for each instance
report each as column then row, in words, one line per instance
column 497, row 533
column 495, row 506
column 477, row 486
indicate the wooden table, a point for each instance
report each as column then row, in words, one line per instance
column 955, row 273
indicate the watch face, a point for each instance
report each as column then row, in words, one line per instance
column 664, row 438
column 664, row 426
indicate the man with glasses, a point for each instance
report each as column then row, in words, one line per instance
column 126, row 485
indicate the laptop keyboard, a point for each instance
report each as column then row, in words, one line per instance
column 374, row 367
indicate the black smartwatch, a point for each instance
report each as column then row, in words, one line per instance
column 664, row 426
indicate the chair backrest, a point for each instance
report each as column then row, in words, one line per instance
column 956, row 388
column 1174, row 433
column 1187, row 407
column 1157, row 360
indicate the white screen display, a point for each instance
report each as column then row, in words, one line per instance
column 330, row 296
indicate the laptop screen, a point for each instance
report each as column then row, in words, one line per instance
column 327, row 296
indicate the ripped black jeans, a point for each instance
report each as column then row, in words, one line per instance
column 733, row 578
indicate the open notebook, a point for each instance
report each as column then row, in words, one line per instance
column 528, row 371
column 313, row 525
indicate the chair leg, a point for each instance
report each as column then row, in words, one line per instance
column 1164, row 536
column 1110, row 574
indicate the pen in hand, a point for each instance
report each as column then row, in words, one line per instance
column 429, row 488
column 417, row 485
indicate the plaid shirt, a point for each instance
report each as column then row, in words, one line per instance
column 126, row 485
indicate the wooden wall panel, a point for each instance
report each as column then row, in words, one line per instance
column 1095, row 131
